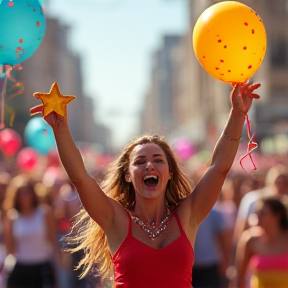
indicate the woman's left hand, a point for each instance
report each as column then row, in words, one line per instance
column 242, row 96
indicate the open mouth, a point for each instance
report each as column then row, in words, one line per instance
column 151, row 180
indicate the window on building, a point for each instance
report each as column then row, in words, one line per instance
column 279, row 92
column 278, row 52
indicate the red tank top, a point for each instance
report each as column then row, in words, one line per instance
column 137, row 265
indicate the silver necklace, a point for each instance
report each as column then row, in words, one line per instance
column 152, row 229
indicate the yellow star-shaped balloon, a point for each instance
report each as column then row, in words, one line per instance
column 54, row 101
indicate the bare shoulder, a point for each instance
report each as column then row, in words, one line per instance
column 121, row 219
column 187, row 219
column 119, row 230
column 251, row 237
column 184, row 212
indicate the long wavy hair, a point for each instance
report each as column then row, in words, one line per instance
column 89, row 238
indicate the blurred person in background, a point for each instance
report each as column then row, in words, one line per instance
column 212, row 250
column 4, row 182
column 243, row 183
column 30, row 236
column 262, row 251
column 227, row 207
column 276, row 183
column 66, row 204
column 60, row 193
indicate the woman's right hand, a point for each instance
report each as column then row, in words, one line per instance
column 56, row 121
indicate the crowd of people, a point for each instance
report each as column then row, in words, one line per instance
column 141, row 225
column 232, row 225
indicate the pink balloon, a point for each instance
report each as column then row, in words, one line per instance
column 184, row 148
column 53, row 158
column 27, row 159
column 10, row 141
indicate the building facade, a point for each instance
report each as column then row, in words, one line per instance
column 201, row 104
column 55, row 61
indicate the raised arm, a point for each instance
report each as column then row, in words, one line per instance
column 207, row 190
column 99, row 206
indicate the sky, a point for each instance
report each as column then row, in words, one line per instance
column 116, row 39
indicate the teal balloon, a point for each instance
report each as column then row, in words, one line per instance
column 22, row 28
column 39, row 135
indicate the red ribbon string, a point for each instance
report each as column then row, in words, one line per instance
column 251, row 147
column 36, row 110
column 17, row 85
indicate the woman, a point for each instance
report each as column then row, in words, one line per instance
column 264, row 249
column 143, row 220
column 30, row 235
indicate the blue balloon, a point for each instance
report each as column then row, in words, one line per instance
column 39, row 135
column 22, row 28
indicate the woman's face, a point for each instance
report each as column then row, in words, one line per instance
column 266, row 218
column 148, row 171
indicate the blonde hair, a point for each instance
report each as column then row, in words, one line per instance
column 87, row 236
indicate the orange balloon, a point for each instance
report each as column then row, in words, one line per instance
column 229, row 41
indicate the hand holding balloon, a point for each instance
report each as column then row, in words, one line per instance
column 242, row 97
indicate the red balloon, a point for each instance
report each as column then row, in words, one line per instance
column 27, row 159
column 53, row 158
column 10, row 141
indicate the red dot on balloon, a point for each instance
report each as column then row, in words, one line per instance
column 222, row 74
column 253, row 31
column 241, row 74
column 244, row 48
column 221, row 61
column 20, row 41
column 225, row 46
column 11, row 4
column 250, row 66
column 246, row 24
column 38, row 23
column 217, row 68
column 204, row 57
column 219, row 41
